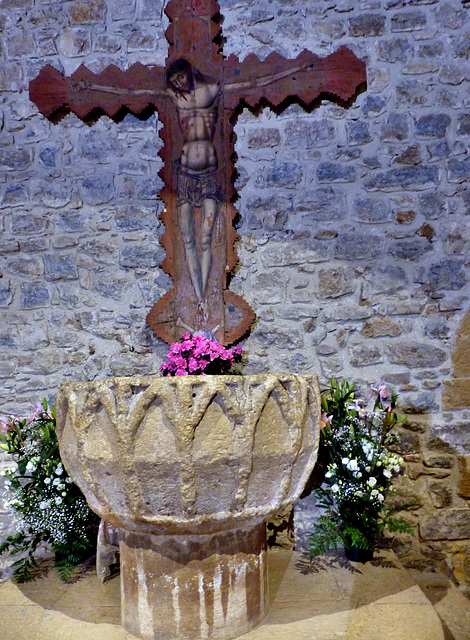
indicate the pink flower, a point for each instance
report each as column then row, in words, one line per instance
column 7, row 423
column 381, row 389
column 326, row 419
column 193, row 365
column 193, row 354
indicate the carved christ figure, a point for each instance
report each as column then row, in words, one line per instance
column 196, row 98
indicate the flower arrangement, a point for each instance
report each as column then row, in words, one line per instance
column 356, row 449
column 50, row 507
column 198, row 355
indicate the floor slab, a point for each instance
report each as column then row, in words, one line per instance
column 329, row 599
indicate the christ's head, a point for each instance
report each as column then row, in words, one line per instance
column 180, row 76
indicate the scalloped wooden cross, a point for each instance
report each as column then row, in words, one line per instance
column 197, row 96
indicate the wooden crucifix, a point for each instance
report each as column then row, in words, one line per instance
column 197, row 96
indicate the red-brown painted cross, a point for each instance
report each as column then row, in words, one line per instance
column 196, row 96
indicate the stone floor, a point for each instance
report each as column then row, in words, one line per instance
column 329, row 600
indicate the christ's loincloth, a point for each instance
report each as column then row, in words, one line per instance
column 194, row 189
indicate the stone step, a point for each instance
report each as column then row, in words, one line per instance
column 329, row 599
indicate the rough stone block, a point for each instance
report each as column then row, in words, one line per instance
column 136, row 256
column 420, row 177
column 12, row 159
column 394, row 50
column 408, row 21
column 332, row 172
column 87, row 11
column 395, row 128
column 433, row 205
column 461, row 357
column 140, row 40
column 280, row 175
column 134, row 219
column 263, row 138
column 447, row 524
column 358, row 132
column 98, row 189
column 321, row 205
column 357, row 247
column 441, row 495
column 367, row 25
column 33, row 295
column 456, row 394
column 268, row 213
column 410, row 249
column 25, row 266
column 373, row 105
column 98, row 147
column 463, row 124
column 439, row 461
column 307, row 134
column 452, row 74
column 458, row 170
column 71, row 221
column 14, row 195
column 447, row 275
column 433, row 125
column 6, row 294
column 363, row 355
column 381, row 326
column 48, row 156
column 75, row 42
column 336, row 282
column 412, row 92
column 59, row 267
column 464, row 476
column 371, row 210
column 416, row 355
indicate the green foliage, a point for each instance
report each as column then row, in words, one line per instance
column 50, row 507
column 357, row 453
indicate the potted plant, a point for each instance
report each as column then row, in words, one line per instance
column 358, row 454
column 49, row 506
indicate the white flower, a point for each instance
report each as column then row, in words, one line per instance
column 58, row 500
column 374, row 493
column 7, row 483
column 56, row 481
column 359, row 493
column 47, row 481
column 335, row 488
column 59, row 471
column 372, row 482
column 387, row 473
column 345, row 461
column 357, row 474
column 63, row 494
column 352, row 465
column 368, row 469
column 30, row 467
column 43, row 504
column 68, row 480
column 380, row 497
column 328, row 474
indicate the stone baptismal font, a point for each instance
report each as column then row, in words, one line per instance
column 189, row 469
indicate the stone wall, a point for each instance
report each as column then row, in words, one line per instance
column 354, row 222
